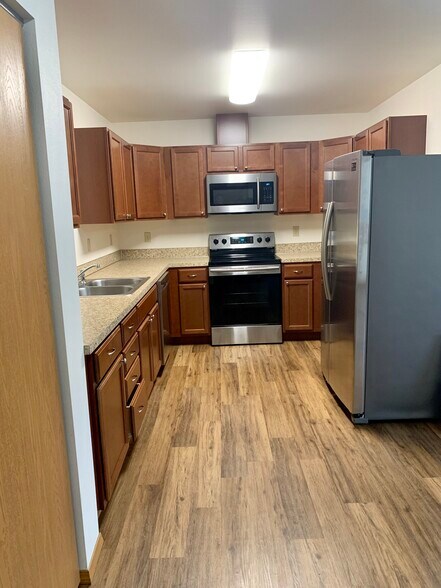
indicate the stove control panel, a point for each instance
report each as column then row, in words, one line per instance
column 241, row 241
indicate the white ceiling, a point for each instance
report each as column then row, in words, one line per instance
column 138, row 60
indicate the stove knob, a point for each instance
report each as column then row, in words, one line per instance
column 216, row 241
column 224, row 241
column 259, row 239
column 267, row 239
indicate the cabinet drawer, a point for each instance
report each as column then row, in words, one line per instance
column 138, row 407
column 106, row 354
column 193, row 274
column 132, row 378
column 129, row 325
column 131, row 352
column 146, row 304
column 297, row 270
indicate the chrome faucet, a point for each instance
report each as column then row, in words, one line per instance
column 82, row 274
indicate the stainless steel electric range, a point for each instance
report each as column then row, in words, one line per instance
column 245, row 289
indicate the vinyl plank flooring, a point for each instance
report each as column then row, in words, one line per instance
column 247, row 474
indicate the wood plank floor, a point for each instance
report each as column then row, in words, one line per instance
column 247, row 474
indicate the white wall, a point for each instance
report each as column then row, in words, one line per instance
column 421, row 97
column 44, row 86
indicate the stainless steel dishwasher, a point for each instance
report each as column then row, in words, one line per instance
column 163, row 298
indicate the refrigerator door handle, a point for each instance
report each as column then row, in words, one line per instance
column 324, row 256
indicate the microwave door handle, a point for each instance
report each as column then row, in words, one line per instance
column 258, row 192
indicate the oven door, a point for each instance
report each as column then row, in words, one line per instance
column 241, row 193
column 246, row 304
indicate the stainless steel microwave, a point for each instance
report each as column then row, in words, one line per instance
column 241, row 193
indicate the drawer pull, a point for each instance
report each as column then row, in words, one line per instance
column 191, row 275
column 132, row 353
column 111, row 352
column 298, row 272
column 140, row 409
column 130, row 327
column 124, row 360
column 134, row 378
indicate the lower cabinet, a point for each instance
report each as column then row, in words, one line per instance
column 111, row 409
column 195, row 313
column 301, row 300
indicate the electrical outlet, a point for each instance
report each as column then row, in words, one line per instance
column 147, row 237
column 296, row 231
column 111, row 239
column 89, row 248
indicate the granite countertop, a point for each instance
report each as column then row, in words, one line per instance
column 101, row 314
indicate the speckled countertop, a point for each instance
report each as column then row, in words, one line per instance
column 101, row 314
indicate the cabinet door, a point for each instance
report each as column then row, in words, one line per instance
column 72, row 161
column 129, row 182
column 222, row 159
column 117, row 168
column 195, row 313
column 149, row 182
column 155, row 341
column 114, row 437
column 145, row 353
column 294, row 176
column 188, row 171
column 259, row 157
column 360, row 142
column 327, row 151
column 378, row 136
column 297, row 305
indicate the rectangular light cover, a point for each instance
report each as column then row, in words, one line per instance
column 247, row 69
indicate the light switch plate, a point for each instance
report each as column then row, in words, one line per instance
column 147, row 237
column 296, row 231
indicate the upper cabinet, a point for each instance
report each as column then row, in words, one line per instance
column 188, row 175
column 406, row 133
column 293, row 164
column 72, row 161
column 105, row 176
column 149, row 182
column 241, row 158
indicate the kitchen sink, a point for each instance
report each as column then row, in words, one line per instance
column 111, row 286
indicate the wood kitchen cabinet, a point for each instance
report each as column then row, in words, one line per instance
column 195, row 311
column 114, row 438
column 105, row 176
column 72, row 161
column 293, row 165
column 302, row 300
column 241, row 158
column 406, row 133
column 188, row 180
column 150, row 189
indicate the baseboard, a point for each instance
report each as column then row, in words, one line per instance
column 301, row 336
column 86, row 576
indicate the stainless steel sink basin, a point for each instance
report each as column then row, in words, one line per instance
column 111, row 286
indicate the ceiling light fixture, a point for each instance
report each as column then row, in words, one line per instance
column 247, row 69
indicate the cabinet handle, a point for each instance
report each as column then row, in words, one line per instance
column 281, row 210
column 140, row 409
column 130, row 327
column 124, row 360
column 245, row 168
column 134, row 378
column 202, row 213
column 298, row 271
column 129, row 215
column 132, row 353
column 235, row 168
column 204, row 286
column 321, row 208
column 191, row 275
column 164, row 214
column 111, row 352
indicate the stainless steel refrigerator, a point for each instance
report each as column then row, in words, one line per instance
column 381, row 265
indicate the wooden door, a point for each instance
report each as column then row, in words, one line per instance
column 195, row 312
column 360, row 142
column 114, row 435
column 297, row 305
column 149, row 182
column 117, row 169
column 72, row 161
column 155, row 341
column 129, row 182
column 259, row 157
column 145, row 353
column 223, row 158
column 37, row 545
column 378, row 136
column 188, row 172
column 327, row 151
column 293, row 164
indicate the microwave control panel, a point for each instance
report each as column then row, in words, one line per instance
column 266, row 190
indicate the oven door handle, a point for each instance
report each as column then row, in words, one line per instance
column 244, row 270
